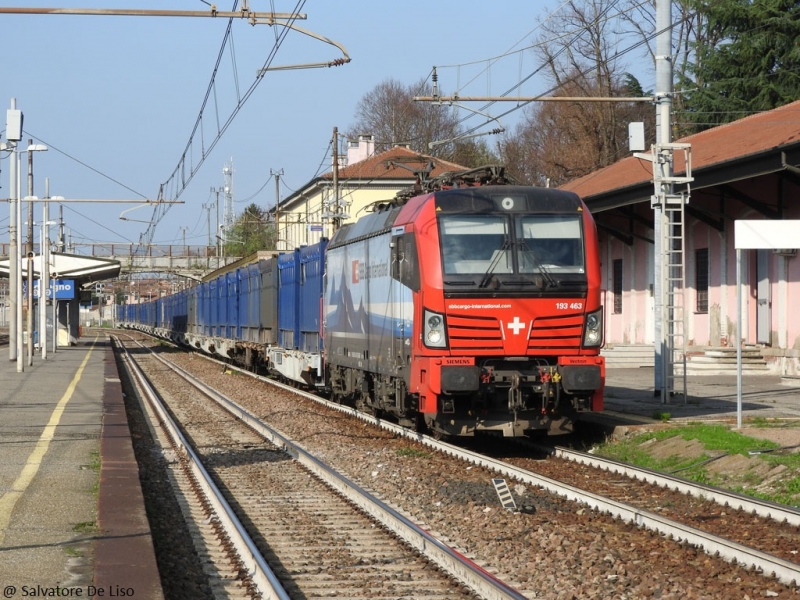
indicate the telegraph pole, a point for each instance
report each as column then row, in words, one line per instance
column 207, row 208
column 277, row 175
column 29, row 319
column 216, row 192
column 663, row 94
column 61, row 244
column 13, row 135
column 337, row 219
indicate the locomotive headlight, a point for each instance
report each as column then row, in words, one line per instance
column 593, row 329
column 433, row 334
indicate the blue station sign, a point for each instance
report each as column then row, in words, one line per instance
column 64, row 289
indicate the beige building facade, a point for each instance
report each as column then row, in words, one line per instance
column 362, row 179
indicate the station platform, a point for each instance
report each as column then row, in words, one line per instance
column 630, row 401
column 72, row 513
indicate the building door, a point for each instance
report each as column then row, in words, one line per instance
column 763, row 320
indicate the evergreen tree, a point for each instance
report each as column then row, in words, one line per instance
column 251, row 232
column 755, row 67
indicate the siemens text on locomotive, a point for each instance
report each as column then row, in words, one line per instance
column 474, row 307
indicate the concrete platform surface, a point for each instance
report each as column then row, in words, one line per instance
column 71, row 509
column 629, row 393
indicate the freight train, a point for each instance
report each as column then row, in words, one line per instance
column 465, row 309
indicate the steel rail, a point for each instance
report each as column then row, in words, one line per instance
column 453, row 562
column 783, row 570
column 762, row 508
column 258, row 570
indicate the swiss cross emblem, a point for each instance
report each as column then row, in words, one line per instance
column 516, row 325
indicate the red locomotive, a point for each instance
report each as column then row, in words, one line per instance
column 473, row 308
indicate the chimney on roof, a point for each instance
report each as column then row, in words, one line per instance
column 360, row 150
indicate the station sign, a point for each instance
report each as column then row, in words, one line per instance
column 64, row 289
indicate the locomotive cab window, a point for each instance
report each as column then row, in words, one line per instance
column 404, row 261
column 551, row 241
column 472, row 243
column 504, row 244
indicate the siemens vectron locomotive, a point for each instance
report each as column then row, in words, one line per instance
column 470, row 308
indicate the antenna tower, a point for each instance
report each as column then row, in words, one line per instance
column 228, row 211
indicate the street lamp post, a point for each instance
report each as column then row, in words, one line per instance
column 44, row 269
column 31, row 198
column 13, row 135
column 13, row 263
column 15, row 267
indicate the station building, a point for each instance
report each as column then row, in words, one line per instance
column 747, row 169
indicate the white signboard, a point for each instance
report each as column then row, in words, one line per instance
column 766, row 234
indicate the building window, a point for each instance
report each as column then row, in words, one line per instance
column 617, row 281
column 701, row 279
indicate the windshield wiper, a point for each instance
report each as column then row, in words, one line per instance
column 488, row 275
column 548, row 278
column 470, row 282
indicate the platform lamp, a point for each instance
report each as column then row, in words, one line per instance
column 54, row 275
column 44, row 269
column 16, row 253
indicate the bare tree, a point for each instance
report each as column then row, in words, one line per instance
column 693, row 36
column 563, row 140
column 390, row 113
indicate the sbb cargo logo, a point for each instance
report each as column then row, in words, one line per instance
column 363, row 271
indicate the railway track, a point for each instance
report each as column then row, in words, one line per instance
column 585, row 551
column 307, row 536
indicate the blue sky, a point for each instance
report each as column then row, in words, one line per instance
column 116, row 98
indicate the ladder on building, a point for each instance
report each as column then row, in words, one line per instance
column 674, row 311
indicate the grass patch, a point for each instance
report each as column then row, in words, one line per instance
column 716, row 440
column 413, row 452
column 85, row 527
column 94, row 466
column 661, row 416
column 94, row 462
column 764, row 422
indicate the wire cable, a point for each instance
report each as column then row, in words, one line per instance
column 180, row 170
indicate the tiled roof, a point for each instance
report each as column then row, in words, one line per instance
column 739, row 139
column 380, row 166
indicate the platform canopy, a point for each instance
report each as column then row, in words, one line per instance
column 83, row 269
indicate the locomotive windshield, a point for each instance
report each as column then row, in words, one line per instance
column 512, row 243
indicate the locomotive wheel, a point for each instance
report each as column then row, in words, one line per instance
column 365, row 408
column 438, row 434
column 441, row 436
